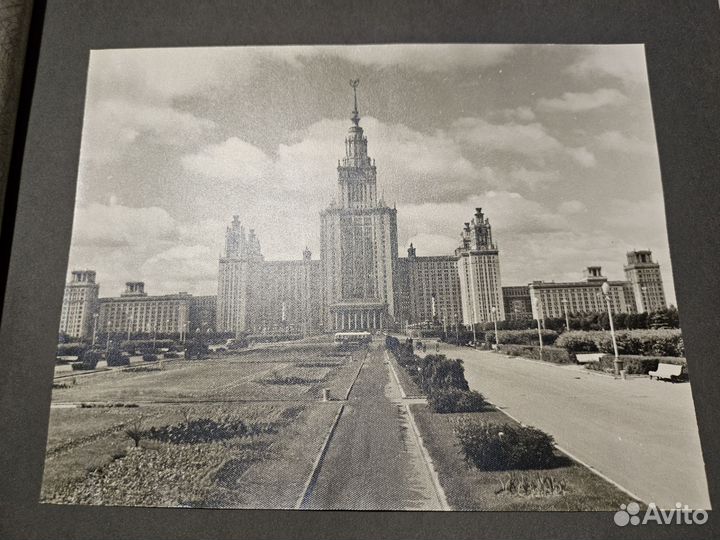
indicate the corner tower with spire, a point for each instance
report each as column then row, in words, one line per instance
column 358, row 246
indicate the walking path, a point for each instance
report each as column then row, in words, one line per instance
column 374, row 460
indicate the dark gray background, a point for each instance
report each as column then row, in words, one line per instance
column 683, row 53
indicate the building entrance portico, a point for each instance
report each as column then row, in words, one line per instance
column 358, row 316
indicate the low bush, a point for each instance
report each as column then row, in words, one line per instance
column 522, row 337
column 438, row 372
column 452, row 400
column 497, row 447
column 115, row 358
column 548, row 354
column 149, row 357
column 634, row 364
column 90, row 359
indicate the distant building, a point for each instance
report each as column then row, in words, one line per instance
column 137, row 313
column 429, row 289
column 80, row 304
column 517, row 303
column 237, row 277
column 479, row 272
column 644, row 277
column 202, row 314
column 550, row 299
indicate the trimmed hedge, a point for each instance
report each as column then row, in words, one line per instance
column 499, row 447
column 634, row 364
column 522, row 337
column 71, row 349
column 150, row 357
column 666, row 342
column 549, row 354
column 452, row 400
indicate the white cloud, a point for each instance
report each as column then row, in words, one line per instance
column 579, row 102
column 422, row 57
column 624, row 62
column 533, row 178
column 619, row 142
column 530, row 140
column 114, row 226
column 522, row 114
column 306, row 168
column 232, row 159
column 194, row 268
column 510, row 214
column 159, row 74
column 583, row 156
column 112, row 125
column 572, row 207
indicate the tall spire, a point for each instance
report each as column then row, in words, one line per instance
column 355, row 117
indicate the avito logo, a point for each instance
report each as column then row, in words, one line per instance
column 680, row 515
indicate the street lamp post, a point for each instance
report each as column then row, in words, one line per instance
column 494, row 313
column 538, row 307
column 567, row 319
column 618, row 363
column 95, row 320
column 130, row 319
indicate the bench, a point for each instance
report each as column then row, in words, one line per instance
column 584, row 358
column 671, row 372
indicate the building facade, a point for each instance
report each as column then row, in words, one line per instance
column 645, row 279
column 479, row 272
column 429, row 289
column 550, row 299
column 135, row 312
column 358, row 244
column 80, row 305
column 202, row 314
column 517, row 303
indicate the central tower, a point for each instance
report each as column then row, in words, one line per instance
column 358, row 243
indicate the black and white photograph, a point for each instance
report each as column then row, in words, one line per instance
column 372, row 277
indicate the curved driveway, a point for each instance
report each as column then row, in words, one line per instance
column 640, row 433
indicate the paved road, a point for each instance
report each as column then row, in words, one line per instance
column 640, row 433
column 373, row 461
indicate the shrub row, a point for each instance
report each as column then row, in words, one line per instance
column 548, row 354
column 442, row 379
column 497, row 447
column 635, row 365
column 522, row 337
column 630, row 342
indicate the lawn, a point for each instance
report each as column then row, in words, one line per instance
column 275, row 393
column 102, row 466
column 468, row 488
column 305, row 369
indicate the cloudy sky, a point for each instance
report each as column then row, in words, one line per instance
column 555, row 143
